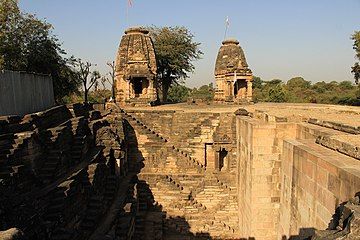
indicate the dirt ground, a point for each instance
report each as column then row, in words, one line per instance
column 341, row 114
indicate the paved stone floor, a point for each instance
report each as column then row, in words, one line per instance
column 342, row 114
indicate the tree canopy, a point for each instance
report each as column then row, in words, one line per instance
column 356, row 68
column 28, row 44
column 175, row 50
column 299, row 90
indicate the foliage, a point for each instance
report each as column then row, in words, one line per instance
column 205, row 92
column 275, row 91
column 257, row 82
column 356, row 68
column 175, row 50
column 28, row 44
column 178, row 93
column 98, row 96
column 298, row 90
column 88, row 78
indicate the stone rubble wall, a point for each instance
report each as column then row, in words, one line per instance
column 59, row 171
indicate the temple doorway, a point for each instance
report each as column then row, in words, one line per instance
column 240, row 88
column 222, row 158
column 140, row 86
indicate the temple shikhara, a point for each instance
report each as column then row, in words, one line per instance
column 232, row 74
column 136, row 68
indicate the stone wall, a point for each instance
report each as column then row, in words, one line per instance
column 315, row 180
column 290, row 179
column 168, row 151
column 259, row 146
column 72, row 172
column 197, row 134
column 59, row 171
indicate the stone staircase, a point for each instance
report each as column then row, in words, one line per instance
column 175, row 200
column 110, row 188
column 11, row 146
column 61, row 156
column 48, row 172
column 150, row 142
column 62, row 234
column 196, row 202
column 94, row 209
column 56, row 205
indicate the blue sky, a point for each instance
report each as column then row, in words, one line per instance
column 281, row 38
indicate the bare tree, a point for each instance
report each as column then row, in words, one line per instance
column 87, row 77
column 112, row 77
column 103, row 81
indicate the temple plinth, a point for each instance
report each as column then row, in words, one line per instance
column 136, row 68
column 232, row 74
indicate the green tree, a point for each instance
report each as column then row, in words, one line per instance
column 346, row 85
column 277, row 94
column 298, row 83
column 257, row 82
column 273, row 91
column 298, row 90
column 205, row 92
column 175, row 50
column 356, row 68
column 178, row 93
column 28, row 44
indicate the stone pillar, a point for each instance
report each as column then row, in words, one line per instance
column 229, row 93
column 216, row 158
column 151, row 91
column 249, row 90
column 127, row 90
column 210, row 157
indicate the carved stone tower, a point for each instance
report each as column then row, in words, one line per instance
column 232, row 75
column 136, row 68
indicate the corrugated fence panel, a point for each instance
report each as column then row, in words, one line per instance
column 23, row 93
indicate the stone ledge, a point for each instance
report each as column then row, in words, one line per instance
column 335, row 125
column 347, row 145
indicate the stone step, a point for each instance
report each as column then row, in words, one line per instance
column 88, row 224
column 61, row 234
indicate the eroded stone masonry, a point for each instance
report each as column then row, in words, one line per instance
column 181, row 172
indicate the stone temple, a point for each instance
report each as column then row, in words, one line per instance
column 232, row 74
column 136, row 68
column 180, row 172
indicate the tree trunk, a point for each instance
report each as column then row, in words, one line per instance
column 113, row 92
column 165, row 89
column 85, row 95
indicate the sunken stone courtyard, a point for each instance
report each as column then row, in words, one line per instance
column 181, row 172
column 134, row 169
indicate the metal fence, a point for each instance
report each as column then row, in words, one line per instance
column 22, row 93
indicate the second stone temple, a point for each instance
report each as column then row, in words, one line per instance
column 232, row 74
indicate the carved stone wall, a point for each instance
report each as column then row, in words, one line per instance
column 136, row 68
column 232, row 74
